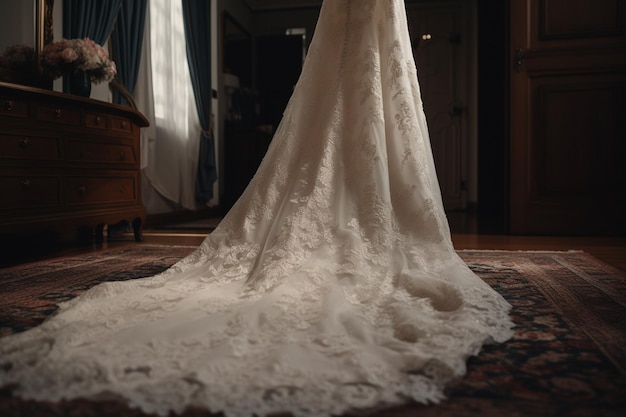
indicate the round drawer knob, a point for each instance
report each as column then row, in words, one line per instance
column 98, row 120
column 122, row 155
column 82, row 189
column 24, row 143
column 26, row 184
column 57, row 113
column 8, row 105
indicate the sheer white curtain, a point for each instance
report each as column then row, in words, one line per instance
column 165, row 96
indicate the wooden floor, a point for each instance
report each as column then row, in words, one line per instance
column 611, row 250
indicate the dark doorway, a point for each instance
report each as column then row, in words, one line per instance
column 277, row 73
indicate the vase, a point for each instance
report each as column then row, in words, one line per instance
column 79, row 84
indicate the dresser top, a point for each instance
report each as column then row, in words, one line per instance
column 58, row 98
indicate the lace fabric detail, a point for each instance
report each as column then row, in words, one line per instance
column 331, row 286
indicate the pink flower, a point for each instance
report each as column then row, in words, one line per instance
column 69, row 55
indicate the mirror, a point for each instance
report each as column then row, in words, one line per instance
column 25, row 27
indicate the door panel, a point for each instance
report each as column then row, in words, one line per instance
column 568, row 106
column 578, row 19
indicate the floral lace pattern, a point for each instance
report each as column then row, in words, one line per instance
column 331, row 286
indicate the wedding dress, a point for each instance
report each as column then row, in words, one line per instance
column 331, row 286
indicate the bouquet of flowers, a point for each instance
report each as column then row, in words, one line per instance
column 75, row 55
column 18, row 65
column 18, row 57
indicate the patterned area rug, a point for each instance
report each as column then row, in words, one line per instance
column 567, row 358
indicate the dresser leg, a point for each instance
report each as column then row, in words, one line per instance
column 99, row 233
column 137, row 230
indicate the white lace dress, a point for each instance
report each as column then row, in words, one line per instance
column 331, row 286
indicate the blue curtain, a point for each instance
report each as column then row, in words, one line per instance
column 89, row 19
column 197, row 17
column 92, row 19
column 126, row 42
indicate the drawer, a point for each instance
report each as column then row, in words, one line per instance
column 29, row 147
column 13, row 108
column 95, row 121
column 101, row 152
column 94, row 190
column 121, row 124
column 58, row 115
column 28, row 191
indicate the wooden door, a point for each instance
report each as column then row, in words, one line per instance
column 440, row 38
column 567, row 117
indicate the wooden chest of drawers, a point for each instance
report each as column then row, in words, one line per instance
column 67, row 164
